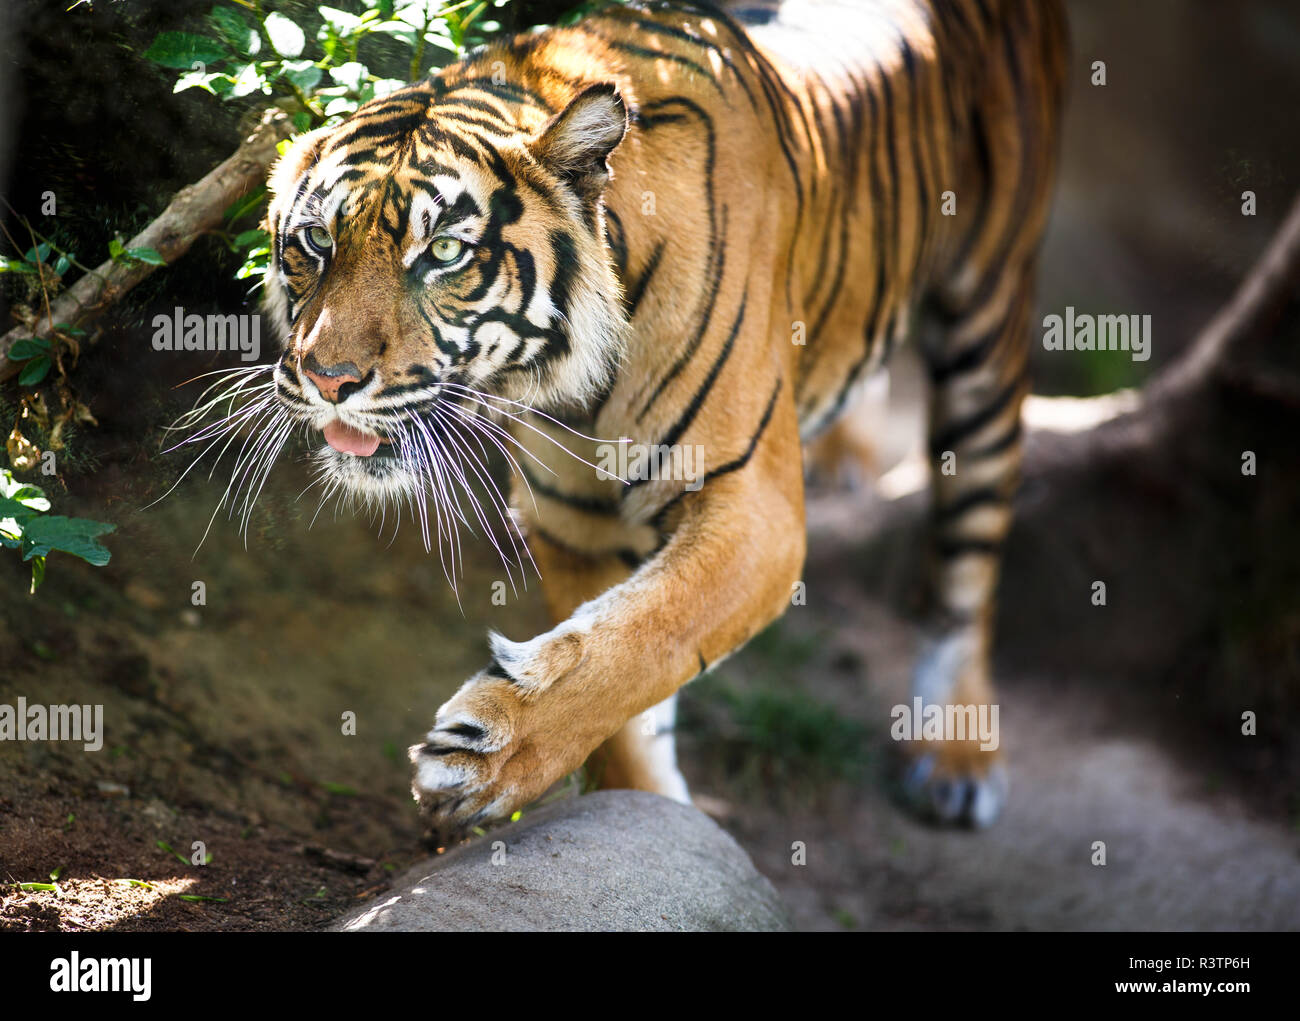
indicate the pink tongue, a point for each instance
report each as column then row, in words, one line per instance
column 347, row 440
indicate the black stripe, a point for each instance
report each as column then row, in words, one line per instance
column 616, row 237
column 508, row 91
column 986, row 496
column 649, row 54
column 697, row 401
column 469, row 730
column 637, row 291
column 950, row 549
column 999, row 446
column 970, row 357
column 952, row 434
column 623, row 553
column 733, row 465
column 587, row 504
column 739, row 462
column 648, row 25
column 717, row 264
column 984, row 158
column 716, row 244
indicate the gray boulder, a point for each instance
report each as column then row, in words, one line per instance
column 612, row 860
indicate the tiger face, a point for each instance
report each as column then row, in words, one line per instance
column 422, row 271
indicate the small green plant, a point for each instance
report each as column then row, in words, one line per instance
column 123, row 256
column 246, row 50
column 320, row 895
column 164, row 846
column 26, row 525
column 37, row 356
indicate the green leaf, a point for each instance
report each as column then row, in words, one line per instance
column 440, row 40
column 181, row 49
column 249, row 80
column 251, row 237
column 398, row 30
column 149, row 255
column 69, row 329
column 286, row 37
column 30, row 496
column 255, row 263
column 78, row 536
column 419, row 15
column 38, row 576
column 341, row 105
column 115, row 249
column 38, row 254
column 301, row 121
column 28, row 347
column 195, row 896
column 61, row 266
column 386, row 86
column 15, row 265
column 236, row 30
column 14, row 512
column 213, row 82
column 242, row 207
column 342, row 23
column 48, row 887
column 35, row 370
column 350, row 75
column 303, row 73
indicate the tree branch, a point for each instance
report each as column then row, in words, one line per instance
column 192, row 211
column 1262, row 292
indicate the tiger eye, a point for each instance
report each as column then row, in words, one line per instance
column 447, row 249
column 320, row 238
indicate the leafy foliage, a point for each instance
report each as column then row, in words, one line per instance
column 251, row 50
column 316, row 69
column 26, row 525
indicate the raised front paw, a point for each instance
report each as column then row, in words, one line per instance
column 460, row 776
column 501, row 740
column 954, row 783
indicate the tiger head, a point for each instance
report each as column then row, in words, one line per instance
column 431, row 257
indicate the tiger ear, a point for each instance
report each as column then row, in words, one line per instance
column 577, row 141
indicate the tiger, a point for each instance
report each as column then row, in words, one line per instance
column 673, row 227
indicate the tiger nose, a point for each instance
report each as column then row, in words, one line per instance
column 330, row 379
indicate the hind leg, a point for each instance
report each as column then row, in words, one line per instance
column 979, row 380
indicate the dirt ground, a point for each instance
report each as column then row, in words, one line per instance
column 223, row 724
column 1193, row 840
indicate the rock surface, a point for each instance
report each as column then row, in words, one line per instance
column 612, row 860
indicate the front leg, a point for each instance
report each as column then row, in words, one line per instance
column 538, row 711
